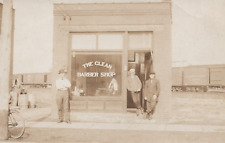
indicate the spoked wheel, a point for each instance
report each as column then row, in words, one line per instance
column 16, row 125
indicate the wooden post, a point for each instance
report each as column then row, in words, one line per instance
column 5, row 57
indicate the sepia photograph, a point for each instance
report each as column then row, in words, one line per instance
column 112, row 71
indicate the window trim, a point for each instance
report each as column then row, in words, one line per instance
column 97, row 40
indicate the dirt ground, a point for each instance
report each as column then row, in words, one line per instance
column 196, row 118
column 118, row 136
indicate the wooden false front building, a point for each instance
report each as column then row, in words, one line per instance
column 98, row 43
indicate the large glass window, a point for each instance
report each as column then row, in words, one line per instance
column 84, row 41
column 110, row 41
column 140, row 40
column 97, row 74
column 97, row 41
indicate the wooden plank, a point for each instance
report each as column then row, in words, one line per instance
column 78, row 105
column 96, row 105
column 114, row 105
column 5, row 52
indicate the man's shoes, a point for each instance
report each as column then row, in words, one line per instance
column 137, row 112
column 140, row 111
column 149, row 116
column 59, row 121
column 68, row 121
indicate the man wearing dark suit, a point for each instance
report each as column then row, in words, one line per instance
column 152, row 90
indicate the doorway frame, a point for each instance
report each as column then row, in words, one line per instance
column 137, row 51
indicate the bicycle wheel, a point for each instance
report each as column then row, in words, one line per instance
column 16, row 125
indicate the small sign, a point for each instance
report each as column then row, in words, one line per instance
column 96, row 74
column 97, row 63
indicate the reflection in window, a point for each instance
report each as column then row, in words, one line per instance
column 96, row 75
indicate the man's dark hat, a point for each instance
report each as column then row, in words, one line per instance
column 152, row 72
column 62, row 71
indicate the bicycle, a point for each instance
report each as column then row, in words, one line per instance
column 16, row 124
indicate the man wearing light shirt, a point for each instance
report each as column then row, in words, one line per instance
column 63, row 85
column 113, row 86
column 134, row 86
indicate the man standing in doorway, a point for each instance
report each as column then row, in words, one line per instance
column 62, row 96
column 152, row 90
column 134, row 86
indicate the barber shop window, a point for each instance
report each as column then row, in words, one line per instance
column 96, row 69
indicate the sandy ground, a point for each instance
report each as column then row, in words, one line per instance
column 196, row 118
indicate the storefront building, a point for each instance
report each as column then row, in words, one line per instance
column 99, row 43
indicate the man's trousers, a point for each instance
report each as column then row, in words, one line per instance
column 151, row 104
column 62, row 99
column 136, row 99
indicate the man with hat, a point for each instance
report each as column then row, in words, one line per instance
column 62, row 97
column 134, row 86
column 152, row 90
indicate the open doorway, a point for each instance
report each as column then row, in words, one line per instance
column 141, row 61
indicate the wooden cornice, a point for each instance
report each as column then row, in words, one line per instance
column 94, row 28
column 112, row 9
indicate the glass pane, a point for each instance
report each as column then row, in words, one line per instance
column 83, row 41
column 111, row 41
column 97, row 75
column 140, row 40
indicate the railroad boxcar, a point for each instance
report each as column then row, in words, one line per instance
column 198, row 78
column 195, row 78
column 34, row 79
